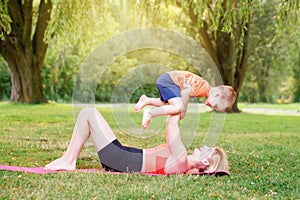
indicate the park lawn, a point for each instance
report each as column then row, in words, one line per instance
column 263, row 152
column 283, row 106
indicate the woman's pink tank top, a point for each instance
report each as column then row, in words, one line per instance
column 156, row 159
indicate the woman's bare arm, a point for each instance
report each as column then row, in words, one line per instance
column 185, row 95
column 177, row 161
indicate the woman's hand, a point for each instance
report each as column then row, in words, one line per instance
column 193, row 171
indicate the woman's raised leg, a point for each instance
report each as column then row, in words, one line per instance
column 89, row 122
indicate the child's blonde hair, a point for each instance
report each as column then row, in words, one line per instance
column 228, row 94
column 218, row 161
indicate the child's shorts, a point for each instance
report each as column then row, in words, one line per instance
column 167, row 88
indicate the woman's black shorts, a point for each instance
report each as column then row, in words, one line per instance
column 119, row 158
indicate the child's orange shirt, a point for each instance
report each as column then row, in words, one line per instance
column 200, row 87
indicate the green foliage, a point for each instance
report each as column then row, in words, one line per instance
column 296, row 88
column 263, row 154
column 226, row 16
column 77, row 27
column 5, row 83
column 145, row 89
column 59, row 71
column 81, row 23
column 271, row 61
column 288, row 17
column 5, row 19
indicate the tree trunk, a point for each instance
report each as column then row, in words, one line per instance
column 262, row 82
column 230, row 58
column 25, row 77
column 262, row 93
column 25, row 53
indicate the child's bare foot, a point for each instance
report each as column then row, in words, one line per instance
column 60, row 164
column 140, row 104
column 146, row 118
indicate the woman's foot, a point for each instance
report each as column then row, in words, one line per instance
column 61, row 164
column 140, row 104
column 146, row 118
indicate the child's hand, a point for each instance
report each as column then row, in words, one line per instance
column 188, row 83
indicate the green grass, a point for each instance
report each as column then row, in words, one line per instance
column 263, row 152
column 283, row 106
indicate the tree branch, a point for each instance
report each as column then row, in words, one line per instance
column 27, row 20
column 206, row 41
column 15, row 13
column 242, row 60
column 44, row 15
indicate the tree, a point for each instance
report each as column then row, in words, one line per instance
column 269, row 74
column 25, row 27
column 24, row 48
column 223, row 28
column 25, row 30
column 263, row 57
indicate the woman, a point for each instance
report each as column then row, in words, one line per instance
column 169, row 158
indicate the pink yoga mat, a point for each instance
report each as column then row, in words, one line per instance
column 42, row 170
